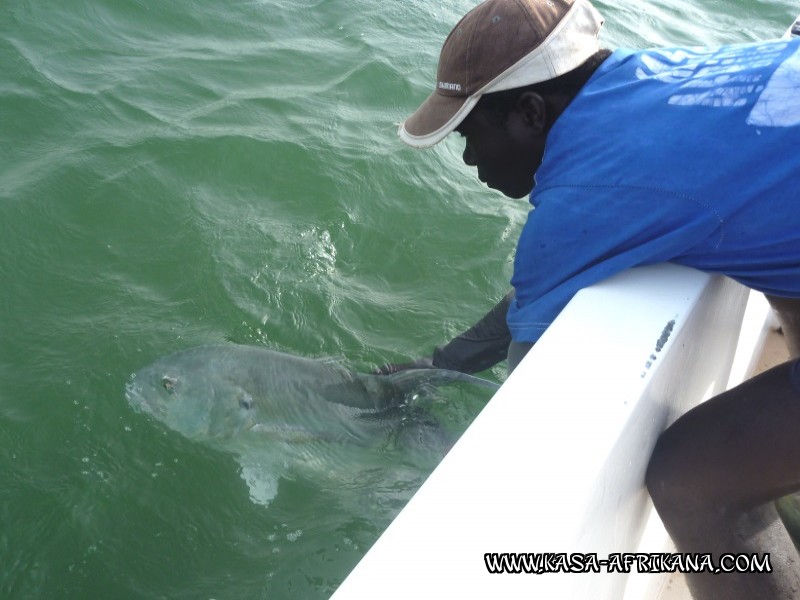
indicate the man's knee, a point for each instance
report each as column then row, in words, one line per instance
column 678, row 480
column 666, row 478
column 731, row 453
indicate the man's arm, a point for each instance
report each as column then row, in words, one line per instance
column 480, row 347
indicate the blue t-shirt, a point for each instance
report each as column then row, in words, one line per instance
column 681, row 155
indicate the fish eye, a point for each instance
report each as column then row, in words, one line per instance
column 246, row 402
column 169, row 383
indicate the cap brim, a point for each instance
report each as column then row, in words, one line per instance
column 571, row 42
column 437, row 117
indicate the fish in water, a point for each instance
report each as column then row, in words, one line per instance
column 281, row 415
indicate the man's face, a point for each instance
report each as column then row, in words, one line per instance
column 505, row 154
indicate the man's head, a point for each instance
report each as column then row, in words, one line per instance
column 498, row 46
column 505, row 134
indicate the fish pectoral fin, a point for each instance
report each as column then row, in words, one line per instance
column 352, row 393
column 335, row 361
column 286, row 433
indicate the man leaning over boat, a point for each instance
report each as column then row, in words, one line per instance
column 629, row 158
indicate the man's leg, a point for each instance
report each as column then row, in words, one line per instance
column 715, row 472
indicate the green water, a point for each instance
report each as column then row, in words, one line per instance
column 183, row 173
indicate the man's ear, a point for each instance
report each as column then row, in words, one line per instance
column 533, row 111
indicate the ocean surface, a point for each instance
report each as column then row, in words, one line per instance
column 174, row 174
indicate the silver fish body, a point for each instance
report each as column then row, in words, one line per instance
column 278, row 412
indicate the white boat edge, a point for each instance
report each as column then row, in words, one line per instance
column 555, row 462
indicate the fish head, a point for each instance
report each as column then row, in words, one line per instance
column 196, row 402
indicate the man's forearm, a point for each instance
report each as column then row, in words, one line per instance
column 481, row 346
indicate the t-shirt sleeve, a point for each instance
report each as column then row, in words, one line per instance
column 578, row 236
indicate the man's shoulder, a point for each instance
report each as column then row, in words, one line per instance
column 678, row 64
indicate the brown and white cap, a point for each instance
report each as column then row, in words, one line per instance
column 501, row 45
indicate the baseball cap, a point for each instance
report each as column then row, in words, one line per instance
column 501, row 45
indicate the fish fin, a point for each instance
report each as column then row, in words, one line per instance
column 287, row 434
column 351, row 390
column 403, row 386
column 411, row 378
column 336, row 361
